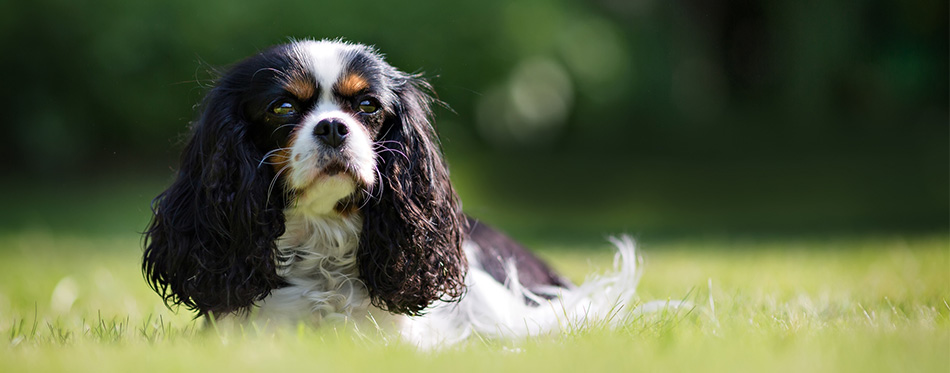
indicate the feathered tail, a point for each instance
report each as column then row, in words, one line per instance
column 495, row 310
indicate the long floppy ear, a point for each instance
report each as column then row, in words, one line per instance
column 211, row 242
column 410, row 250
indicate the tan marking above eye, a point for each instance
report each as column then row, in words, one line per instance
column 351, row 85
column 303, row 88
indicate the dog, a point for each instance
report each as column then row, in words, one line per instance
column 313, row 189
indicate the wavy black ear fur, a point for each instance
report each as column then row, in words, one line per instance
column 410, row 250
column 211, row 241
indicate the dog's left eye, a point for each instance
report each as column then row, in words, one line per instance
column 368, row 106
column 283, row 108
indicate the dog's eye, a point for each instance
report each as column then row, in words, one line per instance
column 368, row 106
column 283, row 108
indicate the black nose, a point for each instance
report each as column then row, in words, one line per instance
column 331, row 131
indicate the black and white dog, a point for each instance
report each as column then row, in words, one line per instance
column 313, row 188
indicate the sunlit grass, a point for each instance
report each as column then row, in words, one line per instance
column 867, row 304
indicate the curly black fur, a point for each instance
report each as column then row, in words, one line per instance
column 210, row 244
column 410, row 251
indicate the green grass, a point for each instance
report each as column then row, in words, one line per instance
column 78, row 303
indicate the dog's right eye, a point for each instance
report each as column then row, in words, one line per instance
column 282, row 108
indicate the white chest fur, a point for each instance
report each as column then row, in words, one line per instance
column 317, row 257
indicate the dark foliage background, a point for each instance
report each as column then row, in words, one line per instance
column 569, row 119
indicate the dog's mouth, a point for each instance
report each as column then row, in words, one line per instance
column 335, row 168
column 338, row 169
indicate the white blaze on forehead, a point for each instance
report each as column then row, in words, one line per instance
column 325, row 60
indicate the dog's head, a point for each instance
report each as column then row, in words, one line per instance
column 322, row 128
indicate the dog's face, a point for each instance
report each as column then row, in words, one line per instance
column 317, row 109
column 317, row 129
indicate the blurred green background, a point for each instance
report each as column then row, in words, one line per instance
column 570, row 120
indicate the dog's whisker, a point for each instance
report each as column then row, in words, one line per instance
column 270, row 188
column 285, row 125
column 387, row 142
column 269, row 154
column 389, row 150
column 379, row 181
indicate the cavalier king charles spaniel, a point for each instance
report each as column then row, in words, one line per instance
column 313, row 189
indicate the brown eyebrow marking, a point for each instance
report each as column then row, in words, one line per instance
column 351, row 85
column 300, row 86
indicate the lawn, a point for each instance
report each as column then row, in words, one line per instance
column 76, row 302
